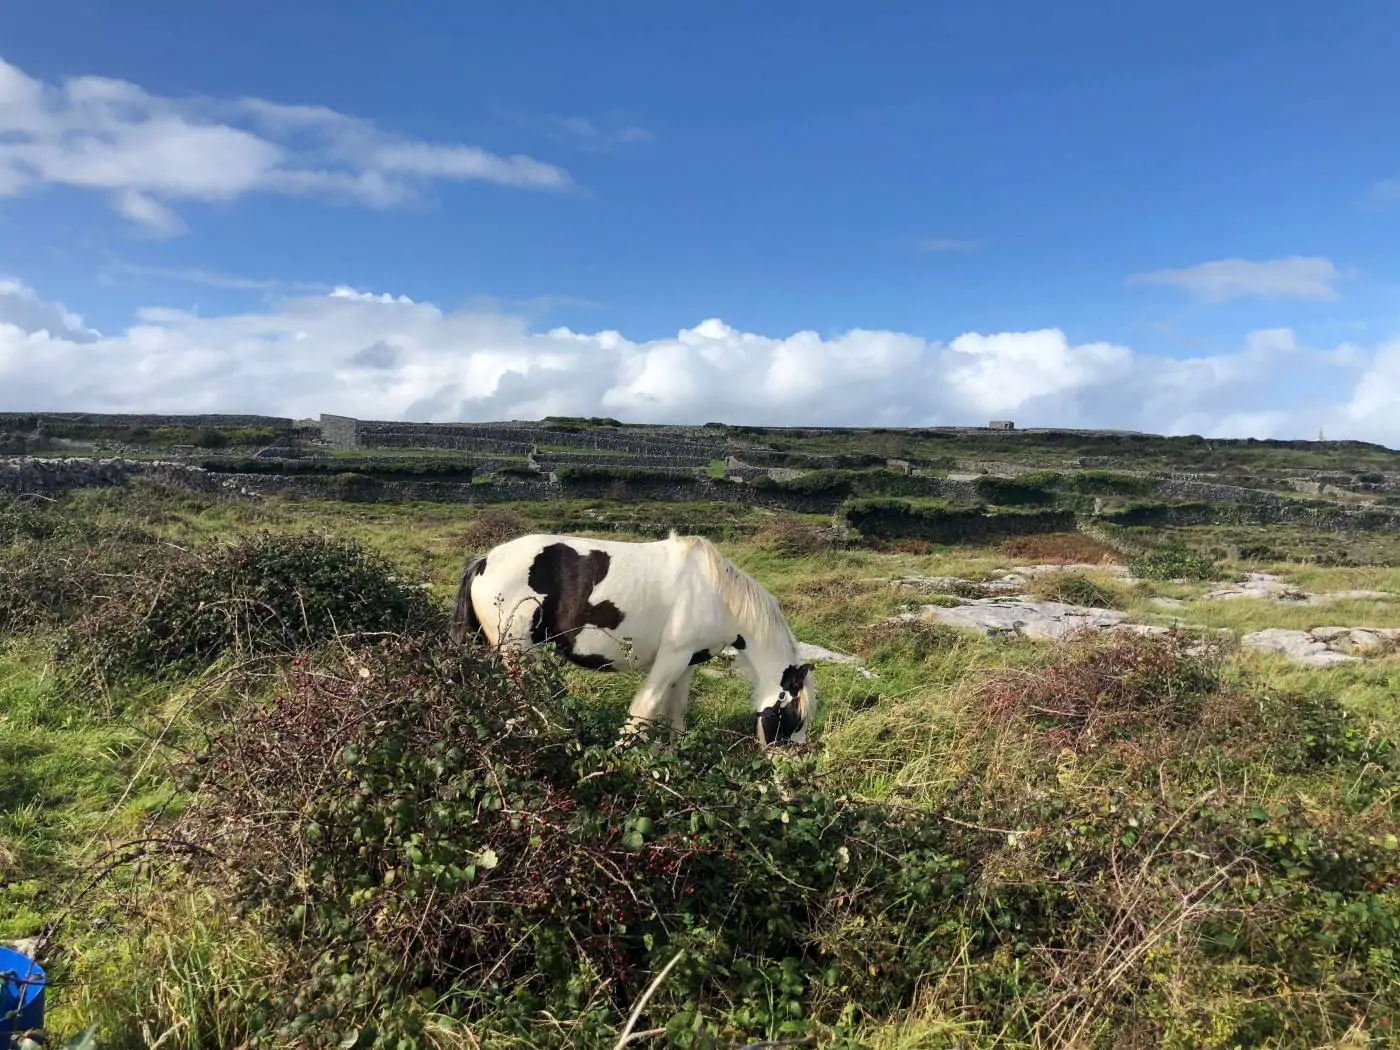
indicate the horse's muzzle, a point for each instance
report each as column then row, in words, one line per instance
column 776, row 724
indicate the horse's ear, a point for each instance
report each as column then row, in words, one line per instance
column 806, row 669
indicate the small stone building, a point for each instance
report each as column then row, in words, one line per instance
column 1001, row 424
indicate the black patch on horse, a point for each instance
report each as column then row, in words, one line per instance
column 739, row 643
column 700, row 657
column 565, row 579
column 793, row 677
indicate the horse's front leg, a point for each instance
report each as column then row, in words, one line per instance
column 678, row 699
column 652, row 704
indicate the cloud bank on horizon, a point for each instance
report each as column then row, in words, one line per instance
column 386, row 356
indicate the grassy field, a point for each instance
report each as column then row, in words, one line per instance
column 990, row 842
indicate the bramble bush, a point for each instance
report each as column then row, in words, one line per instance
column 444, row 843
column 269, row 595
column 422, row 819
column 124, row 601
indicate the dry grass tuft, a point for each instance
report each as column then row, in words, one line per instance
column 1073, row 588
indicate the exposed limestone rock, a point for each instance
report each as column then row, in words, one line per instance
column 1266, row 586
column 1009, row 584
column 1167, row 603
column 1323, row 646
column 994, row 616
column 1013, row 582
column 1350, row 596
column 1037, row 570
column 807, row 652
column 1262, row 586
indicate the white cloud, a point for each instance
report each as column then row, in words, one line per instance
column 592, row 135
column 22, row 311
column 211, row 279
column 145, row 151
column 387, row 356
column 1296, row 277
column 1384, row 193
column 947, row 244
column 150, row 215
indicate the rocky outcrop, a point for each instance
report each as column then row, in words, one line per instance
column 1265, row 586
column 1325, row 646
column 1001, row 616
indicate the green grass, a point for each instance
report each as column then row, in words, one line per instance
column 82, row 771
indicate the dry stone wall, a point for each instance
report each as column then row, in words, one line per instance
column 446, row 441
column 28, row 420
column 1178, row 487
column 51, row 477
column 54, row 476
column 623, row 459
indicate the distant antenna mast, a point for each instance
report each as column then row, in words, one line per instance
column 1319, row 435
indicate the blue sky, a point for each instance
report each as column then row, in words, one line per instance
column 1167, row 179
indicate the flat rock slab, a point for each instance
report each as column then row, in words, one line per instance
column 1260, row 586
column 1265, row 586
column 1013, row 582
column 1332, row 597
column 1048, row 620
column 1323, row 646
column 809, row 653
column 1167, row 603
column 1039, row 570
column 1009, row 584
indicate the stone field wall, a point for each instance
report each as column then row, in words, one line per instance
column 26, row 420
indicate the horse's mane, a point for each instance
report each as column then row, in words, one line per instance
column 744, row 596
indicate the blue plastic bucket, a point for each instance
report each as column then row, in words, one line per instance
column 21, row 994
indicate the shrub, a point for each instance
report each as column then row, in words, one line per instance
column 490, row 527
column 1172, row 560
column 791, row 538
column 208, row 438
column 54, row 581
column 1104, row 686
column 264, row 596
column 429, row 826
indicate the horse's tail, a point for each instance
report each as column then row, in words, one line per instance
column 466, row 625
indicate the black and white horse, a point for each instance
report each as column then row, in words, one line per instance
column 661, row 607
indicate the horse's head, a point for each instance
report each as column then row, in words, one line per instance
column 786, row 716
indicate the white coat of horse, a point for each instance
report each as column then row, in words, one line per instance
column 661, row 607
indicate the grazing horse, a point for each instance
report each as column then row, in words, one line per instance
column 661, row 607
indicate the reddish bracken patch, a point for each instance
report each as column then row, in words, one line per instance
column 1103, row 687
column 1059, row 548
